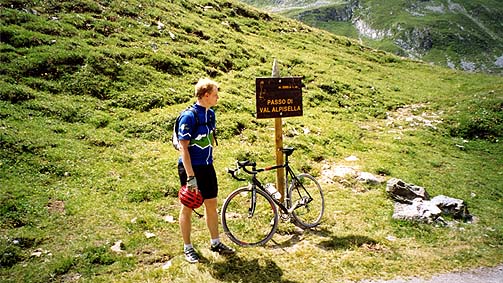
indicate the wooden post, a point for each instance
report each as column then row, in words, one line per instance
column 278, row 133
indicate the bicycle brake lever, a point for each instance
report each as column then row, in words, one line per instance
column 237, row 178
column 234, row 173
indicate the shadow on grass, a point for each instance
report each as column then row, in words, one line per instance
column 236, row 269
column 292, row 238
column 334, row 242
column 346, row 242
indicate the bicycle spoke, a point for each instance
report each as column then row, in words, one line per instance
column 245, row 227
column 306, row 199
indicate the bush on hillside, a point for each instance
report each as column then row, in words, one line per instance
column 482, row 120
column 15, row 93
column 9, row 254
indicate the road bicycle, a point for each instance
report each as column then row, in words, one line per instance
column 250, row 214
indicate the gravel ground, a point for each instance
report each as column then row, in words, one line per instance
column 479, row 275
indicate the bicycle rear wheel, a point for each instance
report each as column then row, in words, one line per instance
column 306, row 194
column 246, row 225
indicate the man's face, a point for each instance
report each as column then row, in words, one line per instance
column 212, row 97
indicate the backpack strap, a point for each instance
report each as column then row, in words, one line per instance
column 211, row 121
column 196, row 118
column 194, row 112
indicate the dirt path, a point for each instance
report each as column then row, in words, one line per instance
column 478, row 275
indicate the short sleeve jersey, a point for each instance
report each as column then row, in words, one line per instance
column 200, row 135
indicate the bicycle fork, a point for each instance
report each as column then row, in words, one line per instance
column 253, row 202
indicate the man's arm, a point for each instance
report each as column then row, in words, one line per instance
column 187, row 164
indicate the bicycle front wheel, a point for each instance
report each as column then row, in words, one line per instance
column 249, row 217
column 306, row 195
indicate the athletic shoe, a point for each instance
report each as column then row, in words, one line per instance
column 222, row 249
column 191, row 255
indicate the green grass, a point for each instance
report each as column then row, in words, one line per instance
column 87, row 104
column 441, row 32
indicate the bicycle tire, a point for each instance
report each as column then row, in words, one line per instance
column 246, row 230
column 307, row 215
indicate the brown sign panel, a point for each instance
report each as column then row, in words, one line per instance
column 278, row 97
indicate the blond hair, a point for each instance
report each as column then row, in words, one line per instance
column 204, row 86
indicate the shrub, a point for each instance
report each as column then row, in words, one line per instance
column 49, row 63
column 140, row 100
column 40, row 84
column 98, row 255
column 173, row 65
column 54, row 28
column 20, row 37
column 61, row 108
column 483, row 119
column 104, row 63
column 15, row 93
column 13, row 211
column 87, row 82
column 100, row 119
column 63, row 265
column 10, row 254
column 82, row 6
column 145, row 130
column 231, row 128
column 144, row 195
column 15, row 16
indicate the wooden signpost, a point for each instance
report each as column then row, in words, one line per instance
column 276, row 98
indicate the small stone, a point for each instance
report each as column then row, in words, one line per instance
column 391, row 238
column 169, row 219
column 368, row 178
column 117, row 247
column 167, row 265
column 36, row 253
column 351, row 158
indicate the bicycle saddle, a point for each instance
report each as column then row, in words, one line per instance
column 288, row 150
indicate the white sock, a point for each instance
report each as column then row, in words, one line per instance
column 187, row 246
column 215, row 241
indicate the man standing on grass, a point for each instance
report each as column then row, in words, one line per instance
column 195, row 166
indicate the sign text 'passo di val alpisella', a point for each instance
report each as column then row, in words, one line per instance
column 278, row 97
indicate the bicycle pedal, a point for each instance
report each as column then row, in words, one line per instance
column 294, row 207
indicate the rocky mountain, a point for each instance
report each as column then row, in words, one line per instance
column 465, row 35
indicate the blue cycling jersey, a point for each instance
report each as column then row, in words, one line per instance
column 201, row 139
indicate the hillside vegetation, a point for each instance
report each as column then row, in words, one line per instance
column 89, row 91
column 464, row 35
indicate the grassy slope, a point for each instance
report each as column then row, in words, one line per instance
column 467, row 31
column 89, row 92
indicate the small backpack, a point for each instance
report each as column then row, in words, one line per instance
column 174, row 139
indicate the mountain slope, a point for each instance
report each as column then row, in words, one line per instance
column 462, row 34
column 89, row 91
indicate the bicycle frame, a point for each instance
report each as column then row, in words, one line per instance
column 256, row 183
column 258, row 207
